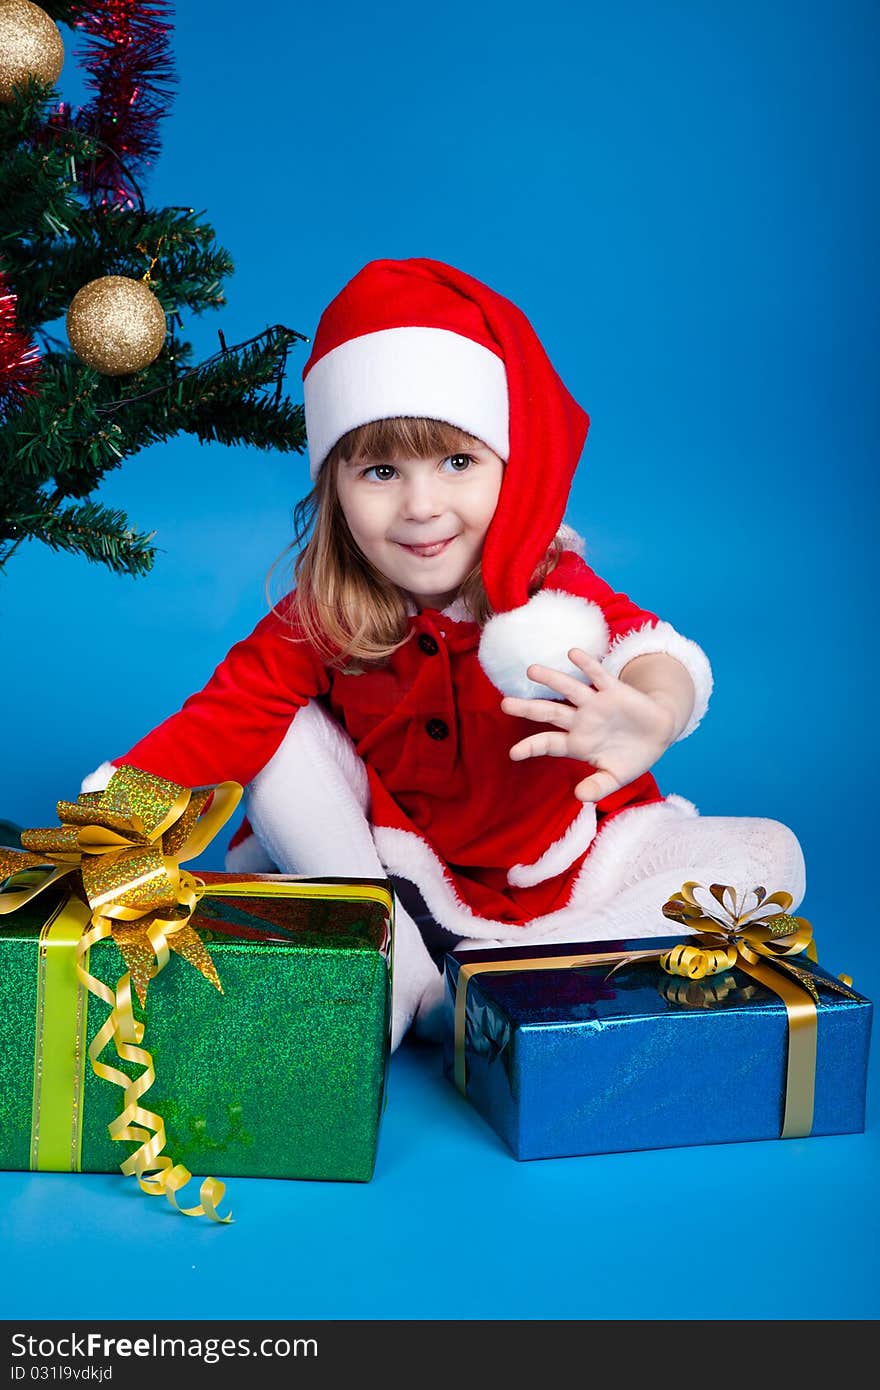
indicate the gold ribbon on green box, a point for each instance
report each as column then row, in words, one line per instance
column 760, row 940
column 118, row 853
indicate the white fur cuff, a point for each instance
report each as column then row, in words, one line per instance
column 662, row 637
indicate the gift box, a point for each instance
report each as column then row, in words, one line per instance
column 262, row 1049
column 281, row 1075
column 595, row 1048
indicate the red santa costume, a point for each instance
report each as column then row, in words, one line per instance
column 404, row 769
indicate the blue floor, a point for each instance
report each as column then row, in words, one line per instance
column 452, row 1227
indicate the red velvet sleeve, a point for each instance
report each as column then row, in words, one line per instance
column 230, row 729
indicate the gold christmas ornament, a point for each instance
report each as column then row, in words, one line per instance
column 30, row 46
column 116, row 325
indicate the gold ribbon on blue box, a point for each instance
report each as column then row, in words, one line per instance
column 753, row 932
column 117, row 853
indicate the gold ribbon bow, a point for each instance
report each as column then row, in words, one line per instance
column 121, row 849
column 756, row 932
column 733, row 934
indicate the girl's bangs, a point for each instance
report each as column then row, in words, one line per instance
column 405, row 436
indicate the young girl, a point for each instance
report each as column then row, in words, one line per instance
column 450, row 697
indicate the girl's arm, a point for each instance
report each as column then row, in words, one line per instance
column 667, row 682
column 231, row 728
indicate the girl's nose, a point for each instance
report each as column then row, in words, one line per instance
column 422, row 499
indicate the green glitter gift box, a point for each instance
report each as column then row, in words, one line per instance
column 282, row 1074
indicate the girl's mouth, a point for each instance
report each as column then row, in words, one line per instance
column 428, row 551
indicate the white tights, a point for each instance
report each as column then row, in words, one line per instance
column 309, row 809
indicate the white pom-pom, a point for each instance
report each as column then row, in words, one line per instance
column 542, row 631
column 97, row 780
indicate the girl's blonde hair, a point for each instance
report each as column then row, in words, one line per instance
column 343, row 606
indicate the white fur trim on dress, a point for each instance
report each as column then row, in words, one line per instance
column 662, row 637
column 97, row 780
column 458, row 611
column 740, row 850
column 430, row 372
column 408, row 856
column 249, row 857
column 561, row 853
column 541, row 632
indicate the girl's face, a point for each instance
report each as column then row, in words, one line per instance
column 422, row 522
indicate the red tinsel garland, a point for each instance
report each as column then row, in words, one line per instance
column 128, row 58
column 19, row 357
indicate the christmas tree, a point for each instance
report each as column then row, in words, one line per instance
column 80, row 246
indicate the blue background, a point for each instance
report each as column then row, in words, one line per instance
column 684, row 203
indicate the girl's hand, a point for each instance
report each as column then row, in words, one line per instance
column 618, row 729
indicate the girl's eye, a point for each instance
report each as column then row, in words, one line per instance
column 464, row 459
column 382, row 471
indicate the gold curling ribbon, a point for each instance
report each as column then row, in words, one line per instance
column 121, row 849
column 760, row 940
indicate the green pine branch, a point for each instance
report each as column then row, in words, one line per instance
column 58, row 444
column 101, row 534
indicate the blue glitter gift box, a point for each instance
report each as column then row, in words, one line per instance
column 565, row 1059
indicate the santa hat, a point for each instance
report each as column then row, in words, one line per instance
column 420, row 338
